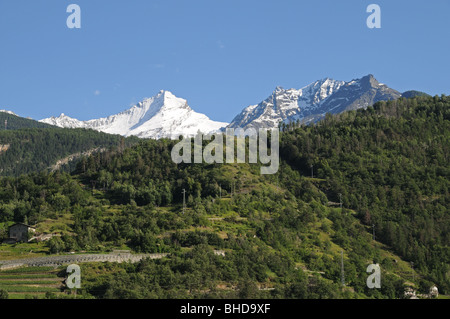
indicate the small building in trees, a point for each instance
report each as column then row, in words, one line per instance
column 410, row 293
column 434, row 292
column 20, row 232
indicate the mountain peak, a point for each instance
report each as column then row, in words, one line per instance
column 165, row 94
column 63, row 116
column 325, row 80
column 161, row 116
column 369, row 81
column 312, row 102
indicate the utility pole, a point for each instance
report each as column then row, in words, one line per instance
column 6, row 125
column 17, row 175
column 342, row 269
column 184, row 200
column 340, row 200
column 93, row 182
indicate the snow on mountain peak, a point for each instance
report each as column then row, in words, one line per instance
column 161, row 116
column 166, row 115
column 313, row 101
column 63, row 121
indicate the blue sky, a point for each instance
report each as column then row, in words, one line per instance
column 219, row 55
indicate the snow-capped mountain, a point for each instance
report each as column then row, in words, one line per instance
column 167, row 116
column 311, row 103
column 162, row 116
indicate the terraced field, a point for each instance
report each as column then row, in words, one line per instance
column 31, row 282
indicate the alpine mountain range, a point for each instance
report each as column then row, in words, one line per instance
column 168, row 116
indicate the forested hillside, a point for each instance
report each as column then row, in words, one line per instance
column 282, row 235
column 14, row 122
column 391, row 165
column 27, row 150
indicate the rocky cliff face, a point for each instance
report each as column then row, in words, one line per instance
column 312, row 102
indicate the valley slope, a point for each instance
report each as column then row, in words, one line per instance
column 281, row 235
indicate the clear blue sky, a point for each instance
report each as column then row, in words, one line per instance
column 220, row 55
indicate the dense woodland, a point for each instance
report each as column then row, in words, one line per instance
column 13, row 122
column 35, row 147
column 282, row 231
column 391, row 164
